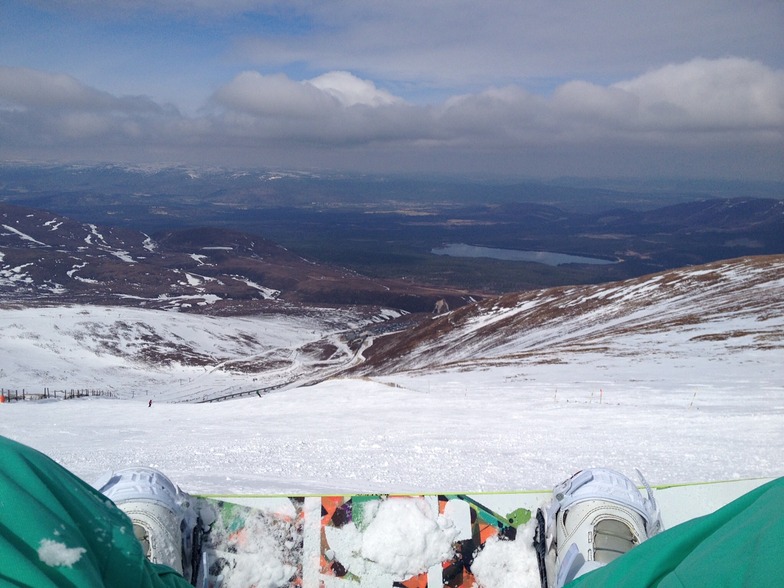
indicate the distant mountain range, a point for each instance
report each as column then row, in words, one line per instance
column 45, row 257
column 386, row 227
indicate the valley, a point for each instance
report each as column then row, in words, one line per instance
column 183, row 311
column 386, row 227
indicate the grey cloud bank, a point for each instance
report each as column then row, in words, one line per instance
column 704, row 117
column 535, row 88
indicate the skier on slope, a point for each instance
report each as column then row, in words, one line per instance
column 56, row 530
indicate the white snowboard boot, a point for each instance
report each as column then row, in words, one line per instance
column 163, row 518
column 595, row 516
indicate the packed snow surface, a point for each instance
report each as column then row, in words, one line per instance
column 680, row 374
column 492, row 430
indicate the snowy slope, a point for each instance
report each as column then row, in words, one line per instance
column 732, row 306
column 132, row 353
column 679, row 374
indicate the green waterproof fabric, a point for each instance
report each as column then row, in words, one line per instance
column 741, row 544
column 57, row 531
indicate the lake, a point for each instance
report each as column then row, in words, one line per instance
column 546, row 257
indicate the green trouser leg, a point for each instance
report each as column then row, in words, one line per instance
column 57, row 531
column 741, row 544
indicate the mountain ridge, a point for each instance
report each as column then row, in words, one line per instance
column 387, row 227
column 731, row 303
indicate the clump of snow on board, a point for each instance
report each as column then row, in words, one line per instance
column 261, row 554
column 398, row 538
column 508, row 564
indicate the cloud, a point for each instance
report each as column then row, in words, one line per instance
column 713, row 111
column 350, row 90
column 37, row 89
column 335, row 108
column 584, row 102
column 728, row 93
column 49, row 108
column 34, row 89
column 274, row 96
column 277, row 95
column 700, row 101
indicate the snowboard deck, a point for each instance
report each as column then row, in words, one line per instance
column 385, row 540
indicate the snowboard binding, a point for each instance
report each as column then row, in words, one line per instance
column 594, row 517
column 165, row 521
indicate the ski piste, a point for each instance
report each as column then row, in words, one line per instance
column 394, row 540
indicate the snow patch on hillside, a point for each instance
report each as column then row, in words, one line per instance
column 155, row 354
column 23, row 236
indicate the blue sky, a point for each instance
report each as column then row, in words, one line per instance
column 607, row 88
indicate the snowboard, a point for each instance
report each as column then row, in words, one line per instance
column 393, row 541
